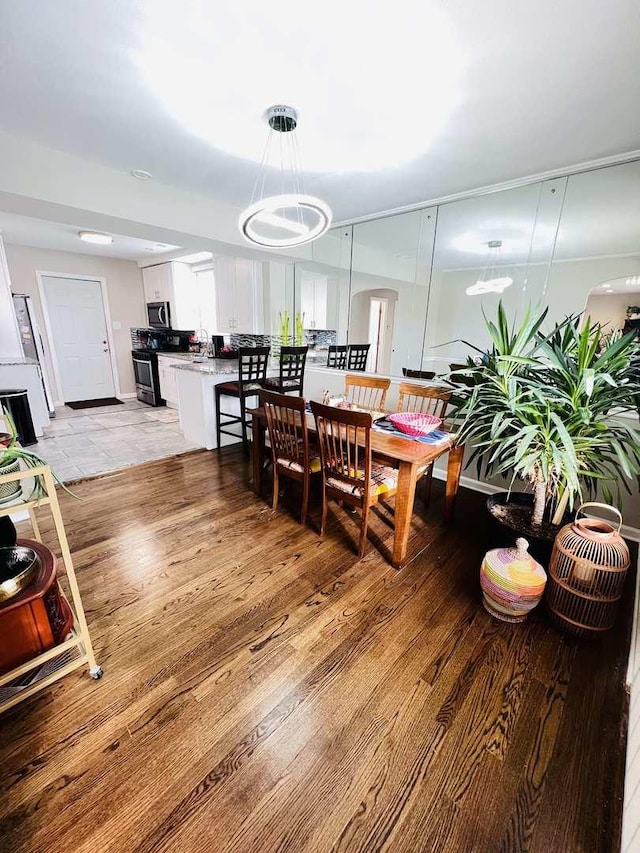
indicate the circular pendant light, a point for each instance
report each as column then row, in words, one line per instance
column 289, row 217
column 490, row 280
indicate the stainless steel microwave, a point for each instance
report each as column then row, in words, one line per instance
column 159, row 315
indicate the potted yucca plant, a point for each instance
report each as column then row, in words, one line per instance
column 556, row 411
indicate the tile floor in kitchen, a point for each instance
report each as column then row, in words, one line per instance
column 84, row 442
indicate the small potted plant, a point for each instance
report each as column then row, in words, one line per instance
column 11, row 455
column 556, row 411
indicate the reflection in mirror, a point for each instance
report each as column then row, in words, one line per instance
column 321, row 312
column 278, row 279
column 598, row 240
column 615, row 305
column 389, row 289
column 489, row 248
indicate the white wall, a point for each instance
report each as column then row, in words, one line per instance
column 10, row 344
column 124, row 289
column 610, row 310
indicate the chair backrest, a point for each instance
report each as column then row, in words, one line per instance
column 252, row 364
column 418, row 374
column 287, row 425
column 292, row 361
column 337, row 356
column 344, row 438
column 421, row 398
column 459, row 380
column 357, row 356
column 366, row 392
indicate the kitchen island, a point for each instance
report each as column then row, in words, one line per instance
column 196, row 398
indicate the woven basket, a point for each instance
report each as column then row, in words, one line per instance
column 11, row 490
column 415, row 423
column 587, row 572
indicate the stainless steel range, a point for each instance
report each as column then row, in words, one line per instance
column 145, row 369
column 147, row 343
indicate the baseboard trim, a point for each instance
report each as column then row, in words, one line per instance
column 131, row 396
column 631, row 533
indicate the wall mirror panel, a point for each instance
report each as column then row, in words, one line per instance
column 596, row 263
column 414, row 286
column 322, row 285
column 489, row 248
column 390, row 272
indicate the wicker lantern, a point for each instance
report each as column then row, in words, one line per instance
column 588, row 568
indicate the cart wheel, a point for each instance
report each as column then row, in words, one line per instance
column 95, row 672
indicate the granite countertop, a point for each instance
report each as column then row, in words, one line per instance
column 19, row 360
column 181, row 356
column 215, row 366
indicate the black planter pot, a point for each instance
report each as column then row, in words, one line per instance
column 503, row 533
column 8, row 535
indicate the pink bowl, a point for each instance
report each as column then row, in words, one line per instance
column 415, row 423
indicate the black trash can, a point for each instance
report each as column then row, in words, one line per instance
column 16, row 401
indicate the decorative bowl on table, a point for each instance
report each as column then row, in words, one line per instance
column 415, row 423
column 18, row 566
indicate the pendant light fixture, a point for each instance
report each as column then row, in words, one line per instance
column 288, row 216
column 491, row 281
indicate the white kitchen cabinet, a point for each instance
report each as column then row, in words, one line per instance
column 174, row 283
column 168, row 382
column 158, row 283
column 313, row 302
column 239, row 298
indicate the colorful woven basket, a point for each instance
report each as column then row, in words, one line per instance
column 512, row 582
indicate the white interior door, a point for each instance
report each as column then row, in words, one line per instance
column 79, row 331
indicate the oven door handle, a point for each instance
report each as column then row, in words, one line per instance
column 142, row 361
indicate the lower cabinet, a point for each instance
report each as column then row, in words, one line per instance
column 168, row 383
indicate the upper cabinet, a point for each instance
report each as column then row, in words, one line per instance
column 239, row 296
column 174, row 283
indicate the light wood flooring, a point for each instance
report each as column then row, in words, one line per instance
column 267, row 691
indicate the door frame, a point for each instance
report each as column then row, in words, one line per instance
column 49, row 332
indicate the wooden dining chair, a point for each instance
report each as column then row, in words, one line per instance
column 349, row 474
column 418, row 374
column 432, row 400
column 357, row 355
column 337, row 356
column 366, row 392
column 289, row 443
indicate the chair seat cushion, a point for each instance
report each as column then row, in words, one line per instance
column 233, row 388
column 292, row 465
column 274, row 382
column 383, row 479
column 228, row 388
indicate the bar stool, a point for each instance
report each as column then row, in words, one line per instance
column 252, row 371
column 291, row 378
column 337, row 356
column 357, row 356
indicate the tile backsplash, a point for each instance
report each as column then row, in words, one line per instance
column 312, row 337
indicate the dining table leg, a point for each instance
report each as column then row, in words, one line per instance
column 407, row 475
column 258, row 444
column 454, row 468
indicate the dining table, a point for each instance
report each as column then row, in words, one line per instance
column 409, row 456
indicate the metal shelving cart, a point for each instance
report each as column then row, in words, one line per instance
column 74, row 652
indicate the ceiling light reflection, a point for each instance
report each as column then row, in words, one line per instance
column 375, row 87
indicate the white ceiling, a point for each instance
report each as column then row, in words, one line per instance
column 399, row 102
column 42, row 234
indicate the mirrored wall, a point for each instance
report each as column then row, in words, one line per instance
column 414, row 286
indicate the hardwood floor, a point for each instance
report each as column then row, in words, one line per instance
column 266, row 691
